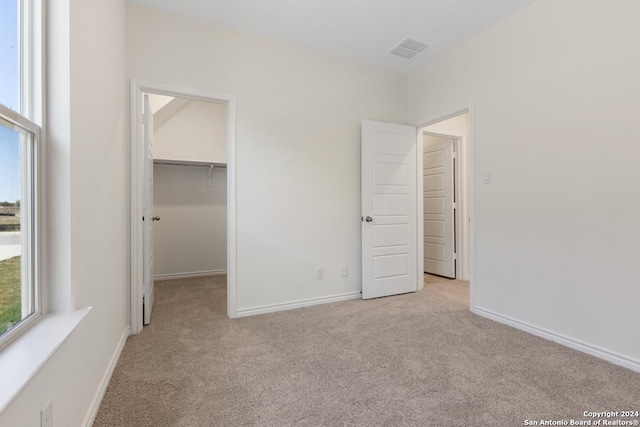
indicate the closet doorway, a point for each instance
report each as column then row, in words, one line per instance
column 183, row 192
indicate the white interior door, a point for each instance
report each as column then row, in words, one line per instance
column 389, row 218
column 149, row 219
column 439, row 204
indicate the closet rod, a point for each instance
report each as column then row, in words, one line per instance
column 189, row 163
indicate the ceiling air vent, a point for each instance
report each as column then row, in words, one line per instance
column 409, row 48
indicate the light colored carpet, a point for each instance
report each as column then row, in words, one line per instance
column 419, row 359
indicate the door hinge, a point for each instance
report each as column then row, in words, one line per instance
column 455, row 205
column 455, row 256
column 143, row 218
column 454, row 155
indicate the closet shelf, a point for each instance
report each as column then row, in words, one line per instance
column 192, row 163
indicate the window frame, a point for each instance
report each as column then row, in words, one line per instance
column 30, row 118
column 29, row 225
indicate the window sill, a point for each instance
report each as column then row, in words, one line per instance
column 22, row 358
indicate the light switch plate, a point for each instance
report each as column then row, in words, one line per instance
column 46, row 415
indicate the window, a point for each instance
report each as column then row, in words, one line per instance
column 20, row 291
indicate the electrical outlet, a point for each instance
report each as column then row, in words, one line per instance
column 344, row 270
column 46, row 415
column 320, row 273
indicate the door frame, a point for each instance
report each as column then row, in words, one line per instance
column 138, row 87
column 457, row 177
column 466, row 158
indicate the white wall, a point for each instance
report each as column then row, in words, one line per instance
column 555, row 101
column 196, row 131
column 157, row 102
column 298, row 146
column 458, row 126
column 87, row 223
column 191, row 236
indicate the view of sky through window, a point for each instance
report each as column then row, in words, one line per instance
column 9, row 54
column 12, row 290
column 9, row 165
column 9, row 97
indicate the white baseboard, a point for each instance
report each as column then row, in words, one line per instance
column 189, row 275
column 245, row 312
column 564, row 340
column 97, row 399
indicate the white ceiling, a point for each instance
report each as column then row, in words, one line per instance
column 362, row 30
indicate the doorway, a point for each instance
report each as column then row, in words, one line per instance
column 439, row 201
column 393, row 203
column 445, row 196
column 195, row 190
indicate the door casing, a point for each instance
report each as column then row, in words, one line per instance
column 139, row 87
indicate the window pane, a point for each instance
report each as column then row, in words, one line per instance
column 10, row 54
column 17, row 300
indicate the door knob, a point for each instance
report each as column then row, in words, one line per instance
column 368, row 219
column 155, row 218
